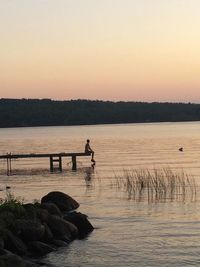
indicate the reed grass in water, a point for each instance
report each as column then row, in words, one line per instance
column 156, row 185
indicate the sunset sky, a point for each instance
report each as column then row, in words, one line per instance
column 137, row 50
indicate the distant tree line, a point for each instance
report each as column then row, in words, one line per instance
column 47, row 112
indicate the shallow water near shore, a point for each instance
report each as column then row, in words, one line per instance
column 127, row 232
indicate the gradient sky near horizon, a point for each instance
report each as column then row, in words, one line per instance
column 137, row 50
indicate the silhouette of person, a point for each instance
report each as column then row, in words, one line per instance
column 89, row 150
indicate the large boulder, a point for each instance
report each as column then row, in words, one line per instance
column 29, row 230
column 81, row 222
column 14, row 244
column 38, row 248
column 51, row 208
column 62, row 229
column 63, row 201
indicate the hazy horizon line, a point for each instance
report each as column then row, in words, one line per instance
column 100, row 100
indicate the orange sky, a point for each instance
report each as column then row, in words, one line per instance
column 145, row 50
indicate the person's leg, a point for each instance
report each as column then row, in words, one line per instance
column 92, row 156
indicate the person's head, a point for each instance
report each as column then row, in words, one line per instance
column 88, row 140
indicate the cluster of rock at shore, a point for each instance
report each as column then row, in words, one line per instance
column 29, row 231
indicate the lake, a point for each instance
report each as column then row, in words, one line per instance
column 128, row 232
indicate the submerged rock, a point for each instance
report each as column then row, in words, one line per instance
column 63, row 201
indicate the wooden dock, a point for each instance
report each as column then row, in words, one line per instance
column 53, row 157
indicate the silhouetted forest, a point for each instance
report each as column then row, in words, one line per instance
column 47, row 112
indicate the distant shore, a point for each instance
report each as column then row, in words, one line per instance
column 47, row 112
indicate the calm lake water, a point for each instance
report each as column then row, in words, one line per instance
column 128, row 232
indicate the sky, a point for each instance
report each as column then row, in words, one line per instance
column 119, row 50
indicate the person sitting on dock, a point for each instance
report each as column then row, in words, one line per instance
column 88, row 149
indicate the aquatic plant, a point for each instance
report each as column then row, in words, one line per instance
column 156, row 185
column 12, row 204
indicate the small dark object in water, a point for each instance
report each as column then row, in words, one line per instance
column 181, row 149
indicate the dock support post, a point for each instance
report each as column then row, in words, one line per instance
column 60, row 163
column 51, row 164
column 9, row 166
column 52, row 160
column 74, row 163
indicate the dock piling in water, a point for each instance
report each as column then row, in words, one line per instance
column 74, row 163
column 9, row 165
column 52, row 166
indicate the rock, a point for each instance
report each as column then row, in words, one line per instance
column 63, row 201
column 43, row 215
column 29, row 230
column 2, row 252
column 59, row 243
column 62, row 229
column 31, row 211
column 38, row 248
column 48, row 236
column 1, row 243
column 51, row 208
column 14, row 244
column 14, row 207
column 10, row 260
column 81, row 222
column 6, row 219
